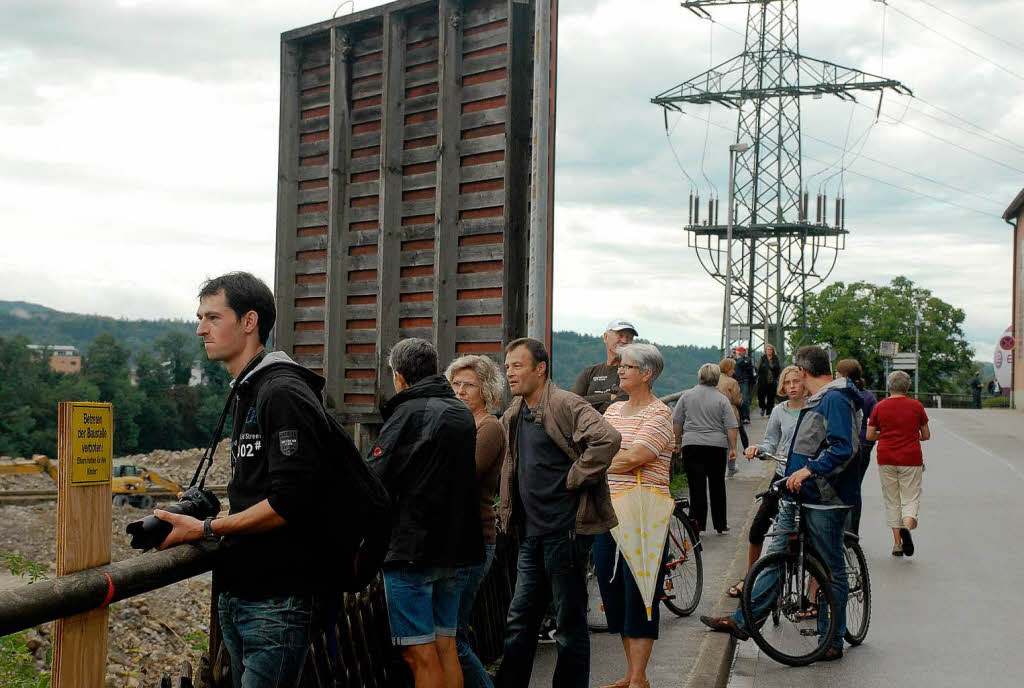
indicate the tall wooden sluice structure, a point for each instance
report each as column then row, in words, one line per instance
column 404, row 185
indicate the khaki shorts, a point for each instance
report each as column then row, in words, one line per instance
column 901, row 492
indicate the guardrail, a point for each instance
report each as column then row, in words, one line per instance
column 26, row 496
column 363, row 654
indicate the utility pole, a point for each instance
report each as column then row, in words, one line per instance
column 917, row 352
column 777, row 252
column 734, row 150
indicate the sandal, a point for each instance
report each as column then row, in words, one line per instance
column 621, row 683
column 811, row 612
column 735, row 590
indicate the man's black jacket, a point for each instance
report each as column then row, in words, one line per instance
column 426, row 458
column 279, row 443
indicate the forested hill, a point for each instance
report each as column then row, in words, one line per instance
column 573, row 352
column 42, row 325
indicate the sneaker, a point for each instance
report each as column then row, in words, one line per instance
column 547, row 632
column 897, row 551
column 908, row 542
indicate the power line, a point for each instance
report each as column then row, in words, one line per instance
column 880, row 181
column 973, row 26
column 948, row 142
column 996, row 138
column 958, row 43
column 914, row 191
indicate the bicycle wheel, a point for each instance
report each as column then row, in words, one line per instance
column 596, row 620
column 796, row 639
column 684, row 575
column 858, row 604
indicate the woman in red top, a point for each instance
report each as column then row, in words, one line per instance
column 899, row 424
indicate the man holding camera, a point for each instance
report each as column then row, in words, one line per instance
column 271, row 566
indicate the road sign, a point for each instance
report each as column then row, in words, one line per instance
column 92, row 443
column 888, row 349
column 739, row 332
column 1007, row 343
column 907, row 361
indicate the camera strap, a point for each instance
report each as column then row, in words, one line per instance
column 208, row 454
column 207, row 458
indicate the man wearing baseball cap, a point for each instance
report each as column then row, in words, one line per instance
column 599, row 383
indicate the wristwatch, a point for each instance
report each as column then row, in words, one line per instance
column 208, row 533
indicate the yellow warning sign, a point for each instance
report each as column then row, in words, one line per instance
column 92, row 443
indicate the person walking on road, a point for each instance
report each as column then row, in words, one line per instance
column 900, row 424
column 554, row 493
column 425, row 456
column 822, row 469
column 477, row 383
column 599, row 383
column 705, row 427
column 728, row 386
column 645, row 424
column 976, row 390
column 851, row 370
column 768, row 370
column 747, row 377
column 778, row 438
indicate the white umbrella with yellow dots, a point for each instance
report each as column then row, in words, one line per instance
column 643, row 514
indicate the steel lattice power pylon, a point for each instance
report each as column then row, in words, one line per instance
column 779, row 252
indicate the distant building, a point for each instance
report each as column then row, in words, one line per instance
column 63, row 359
column 1013, row 216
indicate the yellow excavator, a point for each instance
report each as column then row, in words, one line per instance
column 38, row 464
column 131, row 484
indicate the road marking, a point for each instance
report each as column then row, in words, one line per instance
column 1016, row 471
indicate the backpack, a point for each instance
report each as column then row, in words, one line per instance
column 358, row 519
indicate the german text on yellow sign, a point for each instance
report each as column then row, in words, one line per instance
column 92, row 443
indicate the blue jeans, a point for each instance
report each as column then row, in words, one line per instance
column 745, row 406
column 473, row 674
column 551, row 567
column 825, row 530
column 267, row 640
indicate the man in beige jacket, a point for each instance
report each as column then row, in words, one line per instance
column 554, row 495
column 728, row 386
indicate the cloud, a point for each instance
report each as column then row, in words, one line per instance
column 138, row 154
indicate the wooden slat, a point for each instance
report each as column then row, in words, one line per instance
column 421, row 77
column 313, row 100
column 313, row 290
column 486, row 39
column 317, row 242
column 476, row 173
column 364, row 164
column 470, row 280
column 308, row 172
column 486, row 15
column 485, row 199
column 483, row 63
column 419, row 181
column 367, row 88
column 317, row 219
column 449, row 127
column 364, row 69
column 414, row 156
column 337, row 216
column 305, row 337
column 389, row 252
column 419, row 130
column 313, row 196
column 517, row 173
column 488, row 89
column 485, row 252
column 484, row 144
column 287, row 192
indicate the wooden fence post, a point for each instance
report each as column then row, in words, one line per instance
column 85, row 442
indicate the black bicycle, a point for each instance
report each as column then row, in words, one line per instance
column 858, row 603
column 793, row 620
column 684, row 571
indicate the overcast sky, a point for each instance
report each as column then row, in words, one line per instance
column 138, row 152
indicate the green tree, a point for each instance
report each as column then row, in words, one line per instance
column 180, row 351
column 854, row 318
column 106, row 366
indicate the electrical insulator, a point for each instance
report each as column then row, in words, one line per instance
column 696, row 208
column 838, row 203
column 690, row 208
column 711, row 210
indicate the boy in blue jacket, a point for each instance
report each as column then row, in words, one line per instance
column 822, row 469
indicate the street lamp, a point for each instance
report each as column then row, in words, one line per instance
column 734, row 150
column 917, row 351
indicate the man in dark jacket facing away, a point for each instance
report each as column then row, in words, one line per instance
column 271, row 563
column 554, row 493
column 823, row 469
column 426, row 458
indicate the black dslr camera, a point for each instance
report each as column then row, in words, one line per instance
column 196, row 501
column 150, row 531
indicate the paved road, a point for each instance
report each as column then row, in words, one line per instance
column 949, row 615
column 677, row 648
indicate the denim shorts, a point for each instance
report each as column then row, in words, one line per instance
column 423, row 603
